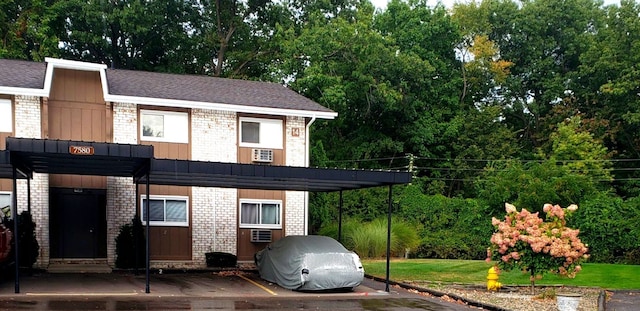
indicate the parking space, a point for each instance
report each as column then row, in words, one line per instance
column 234, row 290
column 236, row 284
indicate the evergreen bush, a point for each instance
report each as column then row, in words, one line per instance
column 27, row 242
column 130, row 245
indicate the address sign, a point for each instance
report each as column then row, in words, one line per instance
column 81, row 150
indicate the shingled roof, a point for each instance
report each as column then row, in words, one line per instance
column 207, row 89
column 147, row 87
column 22, row 74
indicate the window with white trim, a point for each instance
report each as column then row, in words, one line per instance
column 260, row 214
column 261, row 133
column 164, row 126
column 170, row 211
column 5, row 204
column 6, row 116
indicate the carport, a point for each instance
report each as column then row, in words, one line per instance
column 25, row 156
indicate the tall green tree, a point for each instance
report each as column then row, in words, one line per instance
column 29, row 29
column 133, row 34
column 544, row 39
column 608, row 82
column 572, row 169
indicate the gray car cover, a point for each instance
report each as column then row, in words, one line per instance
column 309, row 262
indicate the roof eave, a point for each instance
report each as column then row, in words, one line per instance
column 23, row 91
column 219, row 106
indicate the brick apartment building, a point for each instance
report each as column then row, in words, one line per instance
column 183, row 117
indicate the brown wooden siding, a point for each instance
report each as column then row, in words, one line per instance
column 76, row 86
column 170, row 243
column 169, row 150
column 76, row 111
column 166, row 150
column 244, row 156
column 246, row 248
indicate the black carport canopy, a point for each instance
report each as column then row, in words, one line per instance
column 109, row 159
column 24, row 156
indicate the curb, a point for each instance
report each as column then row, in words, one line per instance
column 440, row 294
column 601, row 296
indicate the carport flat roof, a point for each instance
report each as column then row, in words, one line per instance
column 78, row 157
column 6, row 170
column 124, row 160
column 268, row 177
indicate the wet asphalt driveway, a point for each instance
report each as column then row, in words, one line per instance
column 199, row 291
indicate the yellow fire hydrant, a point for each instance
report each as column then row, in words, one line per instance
column 492, row 280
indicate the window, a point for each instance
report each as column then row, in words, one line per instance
column 166, row 211
column 5, row 204
column 164, row 126
column 6, row 117
column 260, row 214
column 261, row 133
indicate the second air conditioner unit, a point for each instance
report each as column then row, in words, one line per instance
column 262, row 155
column 260, row 236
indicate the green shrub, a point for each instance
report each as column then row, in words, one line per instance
column 369, row 240
column 348, row 226
column 130, row 245
column 377, row 232
column 403, row 237
column 608, row 225
column 360, row 240
column 27, row 242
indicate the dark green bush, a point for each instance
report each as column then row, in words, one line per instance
column 130, row 245
column 608, row 225
column 27, row 242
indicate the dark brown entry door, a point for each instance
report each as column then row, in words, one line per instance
column 78, row 226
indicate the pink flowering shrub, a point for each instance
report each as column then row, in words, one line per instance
column 526, row 241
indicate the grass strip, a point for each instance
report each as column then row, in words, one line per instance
column 605, row 276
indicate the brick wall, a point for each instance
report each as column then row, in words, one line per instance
column 296, row 145
column 125, row 123
column 213, row 136
column 121, row 191
column 29, row 125
column 213, row 215
column 295, row 200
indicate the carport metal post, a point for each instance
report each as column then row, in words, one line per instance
column 340, row 219
column 14, row 212
column 146, row 216
column 136, row 238
column 386, row 288
column 29, row 196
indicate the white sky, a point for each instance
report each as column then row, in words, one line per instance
column 449, row 3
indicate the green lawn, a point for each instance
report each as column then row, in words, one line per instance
column 607, row 276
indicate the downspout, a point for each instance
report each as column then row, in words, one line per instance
column 306, row 161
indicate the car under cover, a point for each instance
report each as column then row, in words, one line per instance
column 310, row 262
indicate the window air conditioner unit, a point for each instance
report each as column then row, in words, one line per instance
column 260, row 236
column 262, row 155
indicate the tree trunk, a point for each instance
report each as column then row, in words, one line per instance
column 533, row 280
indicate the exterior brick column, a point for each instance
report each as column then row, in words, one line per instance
column 28, row 111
